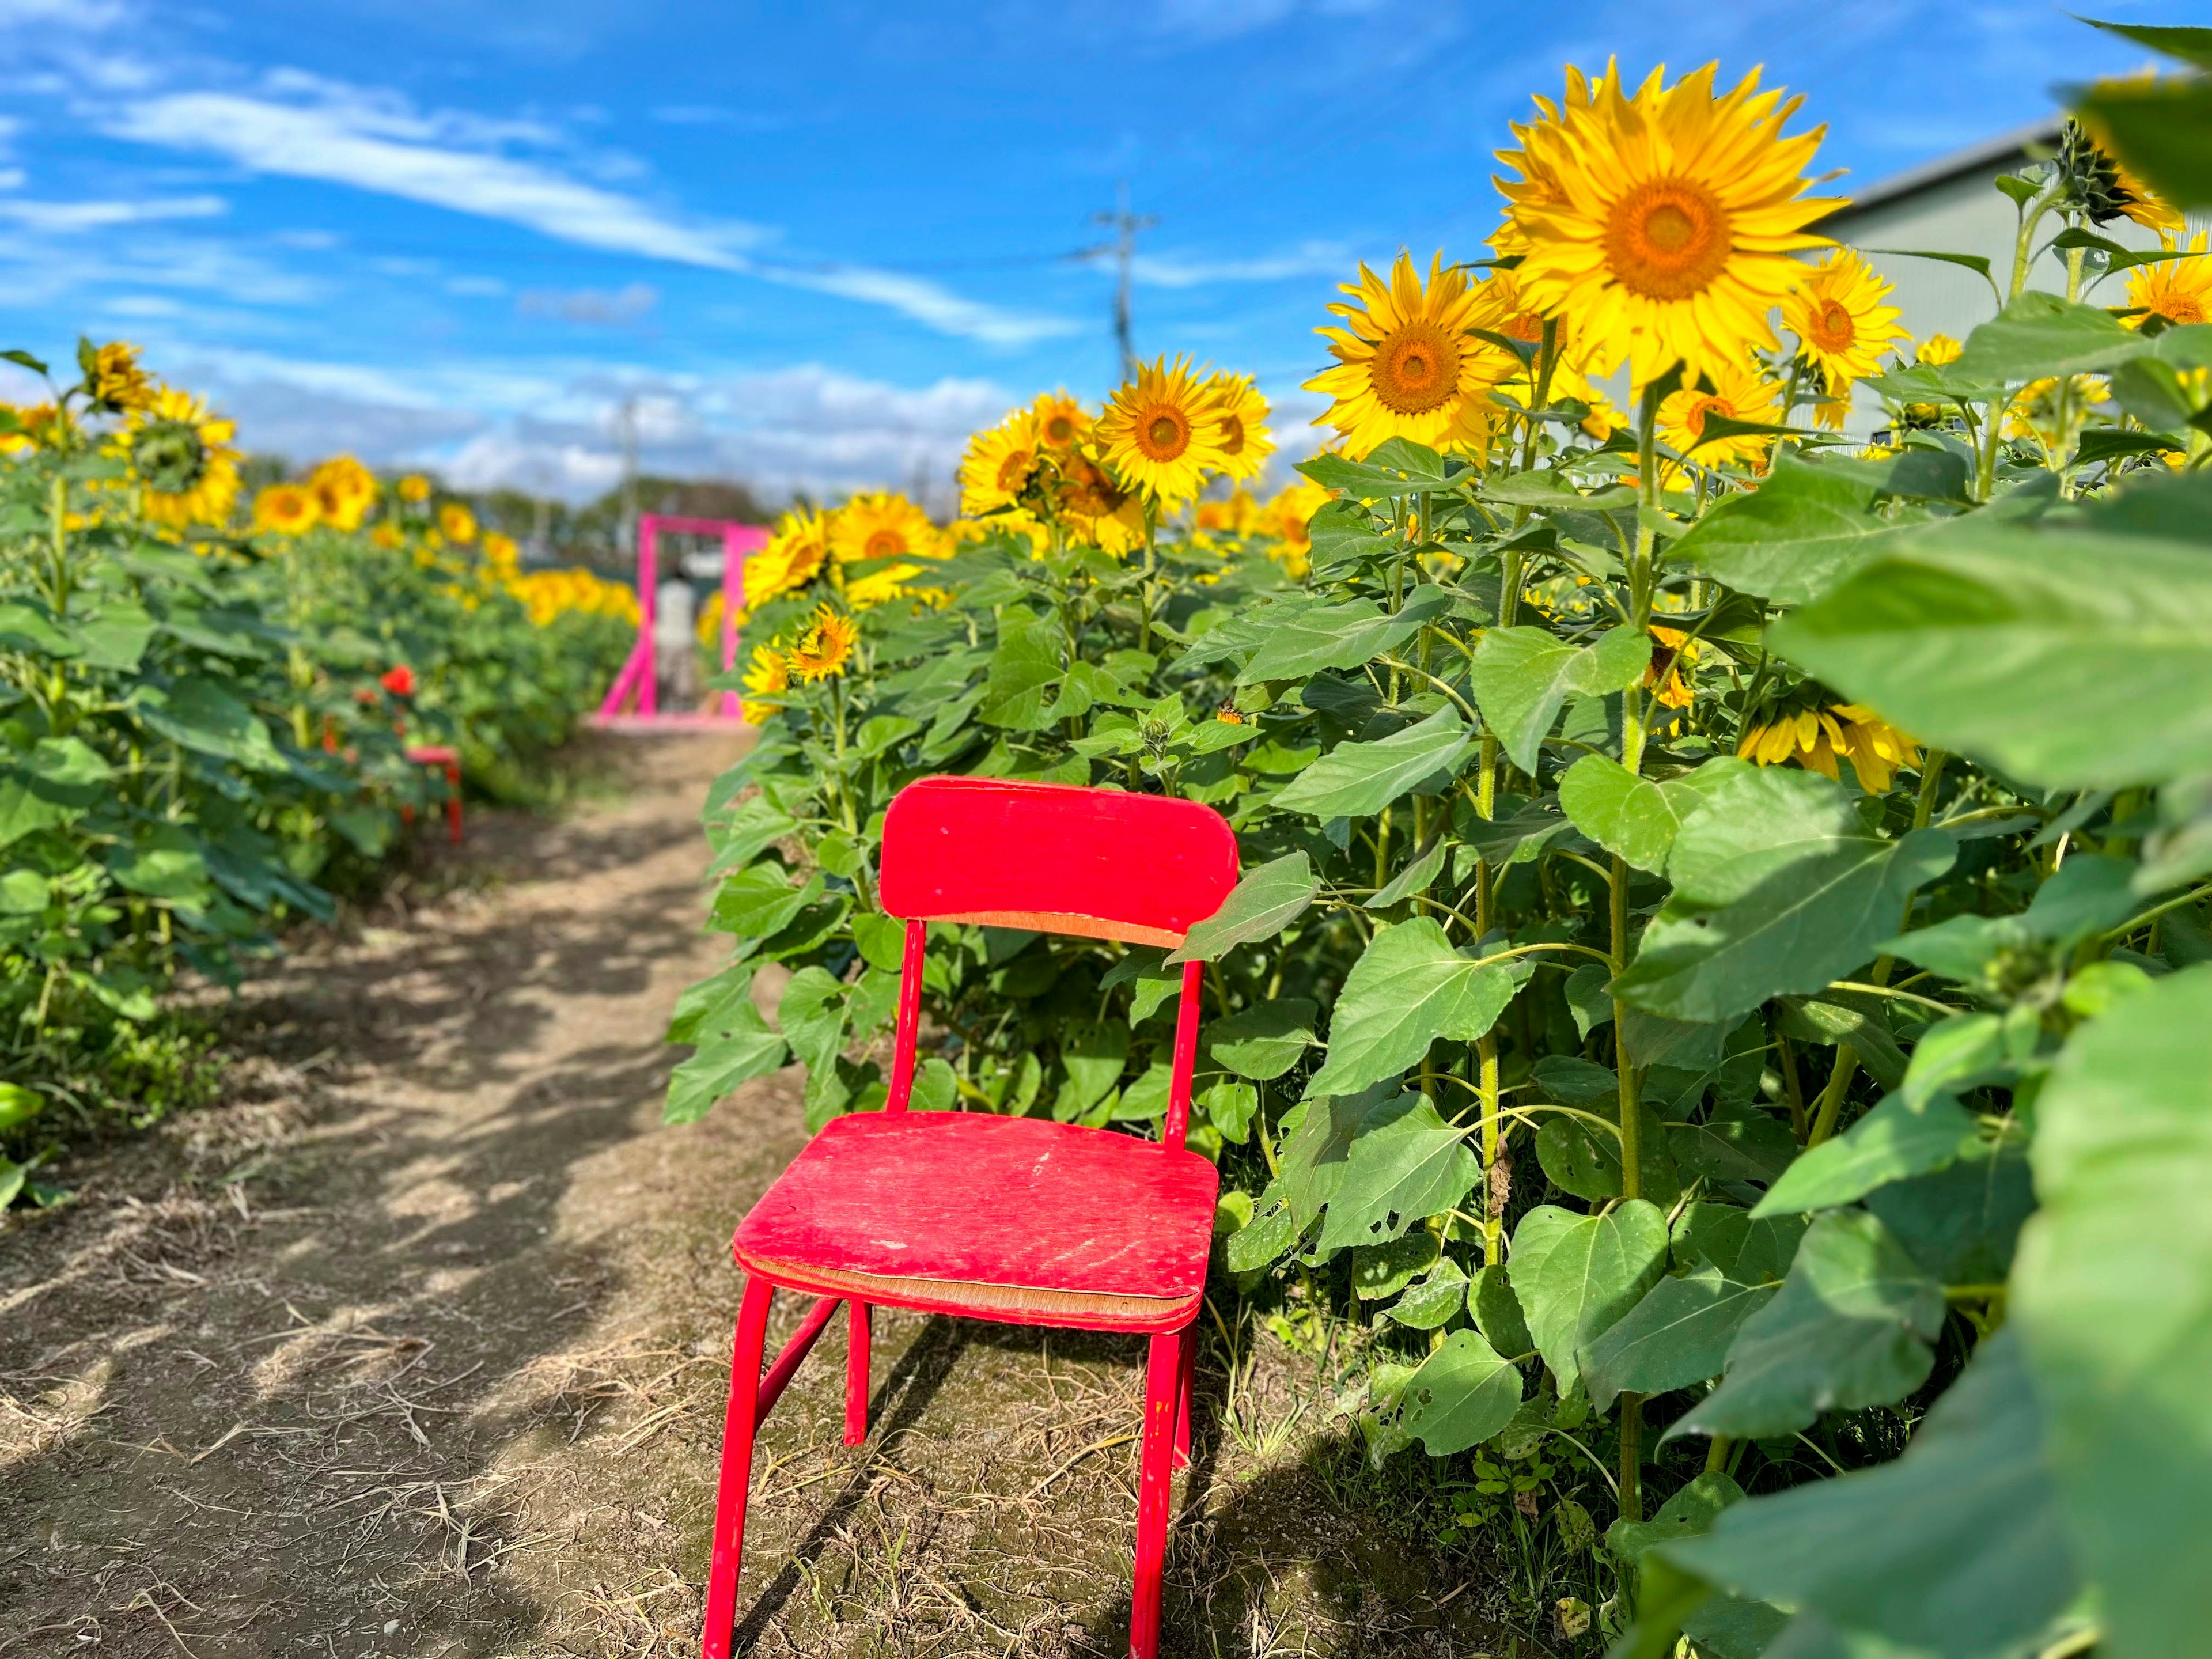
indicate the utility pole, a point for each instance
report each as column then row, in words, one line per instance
column 1123, row 247
column 627, row 428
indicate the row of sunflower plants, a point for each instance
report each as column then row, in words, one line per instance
column 205, row 706
column 1716, row 997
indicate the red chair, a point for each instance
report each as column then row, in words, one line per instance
column 440, row 755
column 1017, row 1219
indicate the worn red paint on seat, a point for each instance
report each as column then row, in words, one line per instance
column 1014, row 1218
column 1055, row 857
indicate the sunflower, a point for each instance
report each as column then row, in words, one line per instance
column 1679, row 217
column 113, row 380
column 999, row 465
column 2179, row 290
column 1058, row 422
column 824, row 645
column 881, row 586
column 1816, row 738
column 415, row 488
column 286, row 509
column 1938, row 350
column 1672, row 651
column 40, row 427
column 1738, row 394
column 1542, row 153
column 1841, row 323
column 1244, row 437
column 769, row 675
column 182, row 456
column 1163, row 431
column 1406, row 368
column 794, row 556
column 883, row 527
column 456, row 524
column 500, row 552
column 1096, row 508
column 344, row 491
column 1239, row 515
column 387, row 536
column 2035, row 411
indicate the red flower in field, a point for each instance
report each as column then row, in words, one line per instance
column 400, row 681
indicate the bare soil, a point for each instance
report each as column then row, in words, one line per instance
column 417, row 1345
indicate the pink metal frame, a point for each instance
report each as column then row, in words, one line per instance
column 636, row 683
column 1171, row 1355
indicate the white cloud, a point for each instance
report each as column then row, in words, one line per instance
column 615, row 308
column 373, row 140
column 87, row 16
column 64, row 217
column 1176, row 270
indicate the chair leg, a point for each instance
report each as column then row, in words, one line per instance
column 454, row 801
column 856, row 1373
column 1186, row 1390
column 738, row 1428
column 1163, row 1378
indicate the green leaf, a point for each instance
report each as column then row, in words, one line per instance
column 1857, row 1017
column 1230, row 1108
column 1265, row 1040
column 1264, row 902
column 760, row 900
column 1852, row 1327
column 1957, row 1548
column 1462, row 1394
column 1576, row 1275
column 117, row 639
column 1584, row 1158
column 2039, row 335
column 1026, row 673
column 1092, row 1052
column 1433, row 1301
column 1736, row 1142
column 1380, row 1271
column 811, row 1017
column 1677, row 1336
column 1354, row 780
column 1778, row 887
column 2112, row 1295
column 735, row 1046
column 1408, row 988
column 1497, row 1311
column 2161, row 129
column 1689, row 1513
column 1272, row 1231
column 203, row 714
column 1750, row 1251
column 12, row 1176
column 1344, row 636
column 2064, row 658
column 881, row 941
column 1421, row 871
column 1522, row 676
column 1404, row 1163
column 1795, row 537
column 1394, row 468
column 1890, row 1143
column 1316, row 1146
column 1637, row 817
column 18, row 1106
column 165, row 862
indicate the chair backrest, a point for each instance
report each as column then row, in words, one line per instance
column 1053, row 857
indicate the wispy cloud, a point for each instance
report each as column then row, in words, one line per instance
column 611, row 308
column 62, row 217
column 375, row 141
column 1180, row 271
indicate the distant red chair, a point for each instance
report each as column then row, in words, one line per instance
column 439, row 754
column 1021, row 1220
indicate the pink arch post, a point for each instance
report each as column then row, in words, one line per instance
column 636, row 684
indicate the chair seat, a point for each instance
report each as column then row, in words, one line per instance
column 1013, row 1218
column 433, row 754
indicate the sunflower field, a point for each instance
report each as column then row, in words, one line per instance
column 206, row 707
column 1714, row 1016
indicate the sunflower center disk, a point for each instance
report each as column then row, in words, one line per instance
column 1668, row 239
column 1166, row 435
column 1232, row 436
column 170, row 457
column 1832, row 329
column 886, row 544
column 1415, row 369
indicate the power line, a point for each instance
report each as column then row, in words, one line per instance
column 1123, row 248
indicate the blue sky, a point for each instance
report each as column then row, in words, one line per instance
column 817, row 245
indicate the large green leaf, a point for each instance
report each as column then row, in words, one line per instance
column 1408, row 988
column 202, row 714
column 2113, row 1294
column 1265, row 1040
column 1576, row 1275
column 1778, row 887
column 1958, row 1548
column 1677, row 1334
column 1356, row 778
column 1522, row 676
column 1890, row 1143
column 2040, row 335
column 1025, row 674
column 1405, row 1163
column 1264, row 901
column 1462, row 1394
column 2161, row 128
column 760, row 900
column 165, row 861
column 1092, row 1052
column 1852, row 1327
column 1793, row 537
column 1638, row 817
column 735, row 1045
column 1317, row 1148
column 2066, row 658
column 1338, row 635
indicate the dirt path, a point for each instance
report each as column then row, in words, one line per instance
column 418, row 1345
